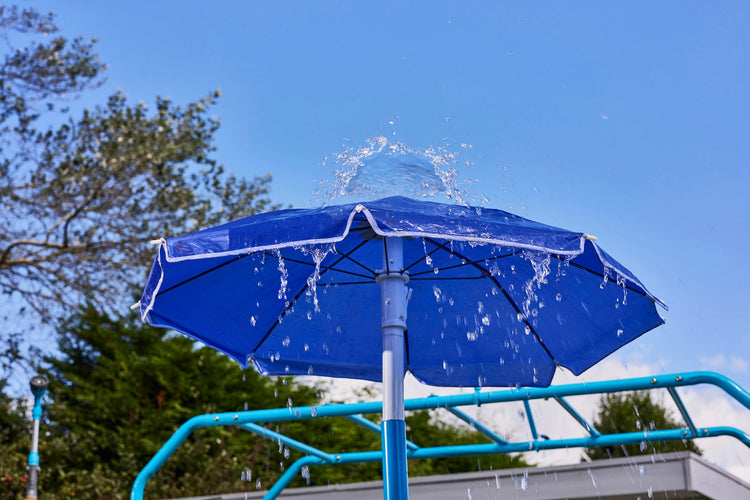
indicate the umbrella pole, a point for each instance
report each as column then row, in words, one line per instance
column 393, row 294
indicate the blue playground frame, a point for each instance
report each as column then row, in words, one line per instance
column 250, row 420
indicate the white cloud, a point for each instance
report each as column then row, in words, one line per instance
column 720, row 363
column 716, row 362
column 738, row 365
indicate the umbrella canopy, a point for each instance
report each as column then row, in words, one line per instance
column 494, row 299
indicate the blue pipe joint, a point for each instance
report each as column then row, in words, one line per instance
column 395, row 481
column 34, row 459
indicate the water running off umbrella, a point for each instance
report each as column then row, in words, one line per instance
column 382, row 168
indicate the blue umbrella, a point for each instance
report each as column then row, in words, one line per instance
column 493, row 299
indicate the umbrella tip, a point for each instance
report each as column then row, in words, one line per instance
column 135, row 306
column 156, row 242
column 590, row 237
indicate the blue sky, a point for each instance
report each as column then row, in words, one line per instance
column 626, row 120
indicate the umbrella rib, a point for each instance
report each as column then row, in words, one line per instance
column 201, row 274
column 325, row 285
column 468, row 263
column 507, row 297
column 426, row 255
column 347, row 256
column 299, row 294
column 326, row 268
column 452, row 278
column 591, row 271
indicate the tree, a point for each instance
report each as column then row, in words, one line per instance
column 636, row 412
column 14, row 441
column 82, row 195
column 119, row 388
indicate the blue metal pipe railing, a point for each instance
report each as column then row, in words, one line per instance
column 477, row 425
column 249, row 419
column 291, row 443
column 530, row 419
column 683, row 411
column 584, row 423
column 372, row 426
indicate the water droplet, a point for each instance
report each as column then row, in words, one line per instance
column 257, row 484
column 252, row 320
column 306, row 347
column 486, row 320
column 619, row 332
column 593, row 479
column 558, row 297
column 286, row 341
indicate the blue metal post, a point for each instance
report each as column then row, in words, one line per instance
column 39, row 385
column 393, row 295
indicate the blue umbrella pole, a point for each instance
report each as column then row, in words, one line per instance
column 393, row 295
column 38, row 388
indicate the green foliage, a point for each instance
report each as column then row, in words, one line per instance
column 636, row 412
column 82, row 194
column 15, row 439
column 119, row 388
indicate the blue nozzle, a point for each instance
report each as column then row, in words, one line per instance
column 38, row 385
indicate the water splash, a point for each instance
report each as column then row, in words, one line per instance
column 383, row 168
column 283, row 278
column 540, row 262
